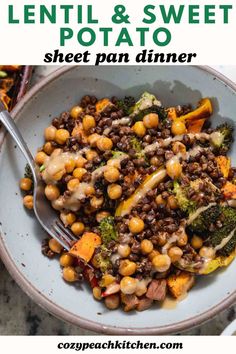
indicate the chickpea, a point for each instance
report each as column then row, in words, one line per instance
column 127, row 267
column 112, row 302
column 73, row 184
column 70, row 165
column 172, row 202
column 155, row 161
column 136, row 225
column 40, row 158
column 178, row 147
column 107, row 279
column 207, row 252
column 52, row 192
column 178, row 127
column 76, row 111
column 93, row 138
column 111, row 174
column 146, row 246
column 55, row 246
column 175, row 253
column 66, row 260
column 50, row 133
column 104, row 144
column 61, row 136
column 159, row 200
column 89, row 190
column 69, row 274
column 91, row 154
column 151, row 120
column 114, row 191
column 88, row 122
column 183, row 239
column 101, row 215
column 57, row 204
column 153, row 254
column 77, row 228
column 161, row 263
column 26, row 184
column 28, row 201
column 124, row 250
column 97, row 293
column 139, row 129
column 173, row 168
column 128, row 285
column 70, row 218
column 80, row 161
column 196, row 242
column 96, row 202
column 114, row 163
column 141, row 288
column 79, row 172
column 48, row 148
column 57, row 176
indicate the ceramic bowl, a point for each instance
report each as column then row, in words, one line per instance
column 21, row 235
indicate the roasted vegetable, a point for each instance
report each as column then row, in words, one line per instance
column 127, row 104
column 180, row 284
column 108, row 230
column 223, row 163
column 137, row 146
column 148, row 103
column 200, row 225
column 222, row 138
column 203, row 111
column 185, row 204
column 85, row 247
column 229, row 190
column 223, row 240
column 102, row 104
column 101, row 259
column 149, row 183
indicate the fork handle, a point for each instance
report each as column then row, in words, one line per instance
column 12, row 128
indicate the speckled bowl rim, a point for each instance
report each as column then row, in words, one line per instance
column 61, row 313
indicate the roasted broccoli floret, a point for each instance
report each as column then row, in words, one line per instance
column 127, row 104
column 108, row 230
column 161, row 111
column 184, row 203
column 200, row 225
column 148, row 103
column 222, row 138
column 223, row 238
column 102, row 259
column 137, row 146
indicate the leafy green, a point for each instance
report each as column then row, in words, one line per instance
column 126, row 104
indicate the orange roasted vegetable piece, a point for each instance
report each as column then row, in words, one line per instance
column 204, row 110
column 229, row 190
column 102, row 104
column 195, row 126
column 85, row 247
column 195, row 120
column 172, row 113
column 223, row 163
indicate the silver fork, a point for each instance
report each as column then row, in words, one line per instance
column 43, row 210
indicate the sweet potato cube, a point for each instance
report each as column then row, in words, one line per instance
column 85, row 247
column 179, row 284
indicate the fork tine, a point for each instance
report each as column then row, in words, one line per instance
column 66, row 231
column 61, row 235
column 57, row 236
